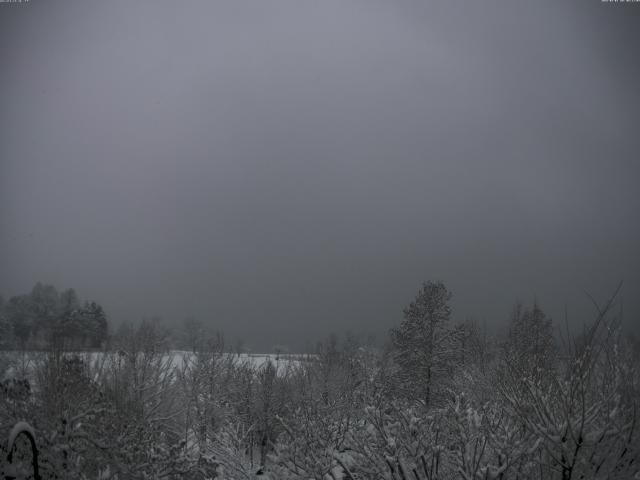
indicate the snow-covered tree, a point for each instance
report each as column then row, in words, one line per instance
column 584, row 412
column 530, row 346
column 424, row 346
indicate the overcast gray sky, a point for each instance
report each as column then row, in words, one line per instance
column 284, row 169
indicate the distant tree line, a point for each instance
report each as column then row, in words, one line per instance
column 45, row 317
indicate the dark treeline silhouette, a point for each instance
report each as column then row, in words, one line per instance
column 438, row 401
column 47, row 318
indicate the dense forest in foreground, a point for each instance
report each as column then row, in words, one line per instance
column 439, row 401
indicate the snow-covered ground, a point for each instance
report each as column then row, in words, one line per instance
column 256, row 360
column 20, row 364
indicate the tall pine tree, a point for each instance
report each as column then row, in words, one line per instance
column 424, row 346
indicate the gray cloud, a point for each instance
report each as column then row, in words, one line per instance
column 284, row 169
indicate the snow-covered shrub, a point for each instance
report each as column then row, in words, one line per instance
column 584, row 412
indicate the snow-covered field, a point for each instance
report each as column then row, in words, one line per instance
column 20, row 364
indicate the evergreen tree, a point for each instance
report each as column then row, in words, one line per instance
column 424, row 346
column 530, row 347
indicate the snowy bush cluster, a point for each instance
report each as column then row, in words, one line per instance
column 441, row 401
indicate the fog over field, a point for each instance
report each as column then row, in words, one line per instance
column 329, row 240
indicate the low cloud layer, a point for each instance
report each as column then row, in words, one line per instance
column 286, row 169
